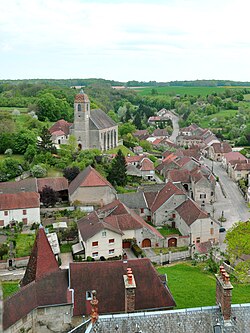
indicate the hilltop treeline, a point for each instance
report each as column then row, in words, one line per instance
column 133, row 83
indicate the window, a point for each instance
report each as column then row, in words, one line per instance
column 212, row 222
column 211, row 231
column 104, row 234
column 5, row 213
column 1, row 223
column 111, row 241
column 25, row 220
column 24, row 212
column 95, row 243
column 95, row 254
column 79, row 107
column 212, row 193
column 202, row 196
column 198, row 239
column 88, row 295
column 173, row 216
column 111, row 251
column 142, row 210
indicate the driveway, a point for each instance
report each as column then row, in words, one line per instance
column 175, row 122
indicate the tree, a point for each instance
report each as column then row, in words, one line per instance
column 70, row 173
column 30, row 153
column 45, row 143
column 118, row 174
column 38, row 171
column 3, row 250
column 48, row 196
column 23, row 139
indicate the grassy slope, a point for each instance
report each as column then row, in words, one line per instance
column 192, row 287
column 9, row 288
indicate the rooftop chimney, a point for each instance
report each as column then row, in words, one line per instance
column 130, row 287
column 94, row 307
column 224, row 293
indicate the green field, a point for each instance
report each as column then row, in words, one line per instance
column 166, row 230
column 124, row 150
column 191, row 286
column 220, row 116
column 195, row 91
column 24, row 244
column 19, row 158
column 12, row 108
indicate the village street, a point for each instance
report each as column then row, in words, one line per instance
column 175, row 122
column 231, row 202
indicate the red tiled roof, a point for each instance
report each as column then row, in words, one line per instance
column 182, row 176
column 89, row 177
column 157, row 141
column 56, row 183
column 189, row 211
column 136, row 158
column 222, row 147
column 242, row 166
column 50, row 290
column 183, row 161
column 57, row 133
column 147, row 165
column 168, row 191
column 42, row 260
column 19, row 200
column 60, row 125
column 234, row 155
column 106, row 277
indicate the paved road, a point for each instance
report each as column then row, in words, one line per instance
column 175, row 122
column 233, row 205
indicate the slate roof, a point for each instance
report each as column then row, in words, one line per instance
column 52, row 289
column 189, row 211
column 106, row 277
column 56, row 183
column 133, row 200
column 21, row 200
column 60, row 125
column 101, row 120
column 42, row 260
column 89, row 177
column 25, row 185
column 177, row 321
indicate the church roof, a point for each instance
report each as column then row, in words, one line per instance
column 89, row 177
column 81, row 98
column 101, row 120
column 42, row 260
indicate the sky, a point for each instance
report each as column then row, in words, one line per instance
column 125, row 40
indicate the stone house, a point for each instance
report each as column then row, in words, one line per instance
column 232, row 156
column 239, row 170
column 19, row 207
column 60, row 132
column 203, row 186
column 217, row 150
column 140, row 166
column 193, row 221
column 90, row 188
column 110, row 229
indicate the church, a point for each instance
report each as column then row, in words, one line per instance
column 91, row 128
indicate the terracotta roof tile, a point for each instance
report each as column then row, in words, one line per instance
column 107, row 277
column 19, row 200
column 147, row 165
column 182, row 176
column 42, row 260
column 234, row 155
column 56, row 183
column 60, row 125
column 81, row 98
column 189, row 211
column 222, row 147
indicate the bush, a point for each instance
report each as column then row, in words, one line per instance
column 90, row 258
column 38, row 171
column 136, row 250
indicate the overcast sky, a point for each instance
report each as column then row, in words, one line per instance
column 125, row 40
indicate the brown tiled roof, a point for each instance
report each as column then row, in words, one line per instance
column 50, row 290
column 60, row 125
column 89, row 177
column 160, row 132
column 150, row 197
column 168, row 190
column 25, row 185
column 90, row 225
column 42, row 260
column 183, row 161
column 56, row 183
column 81, row 98
column 136, row 158
column 182, row 176
column 19, row 200
column 157, row 142
column 242, row 166
column 147, row 165
column 204, row 247
column 222, row 147
column 139, row 133
column 234, row 155
column 189, row 211
column 106, row 278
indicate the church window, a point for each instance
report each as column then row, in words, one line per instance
column 79, row 107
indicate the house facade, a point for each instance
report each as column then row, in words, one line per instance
column 19, row 207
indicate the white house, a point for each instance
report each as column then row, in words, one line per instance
column 19, row 207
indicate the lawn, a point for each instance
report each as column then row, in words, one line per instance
column 166, row 230
column 9, row 288
column 19, row 158
column 191, row 286
column 165, row 250
column 124, row 150
column 24, row 244
column 220, row 116
column 65, row 248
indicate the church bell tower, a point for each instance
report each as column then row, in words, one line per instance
column 81, row 120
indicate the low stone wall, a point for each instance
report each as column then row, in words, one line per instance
column 162, row 259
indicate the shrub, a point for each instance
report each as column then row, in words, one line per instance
column 136, row 250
